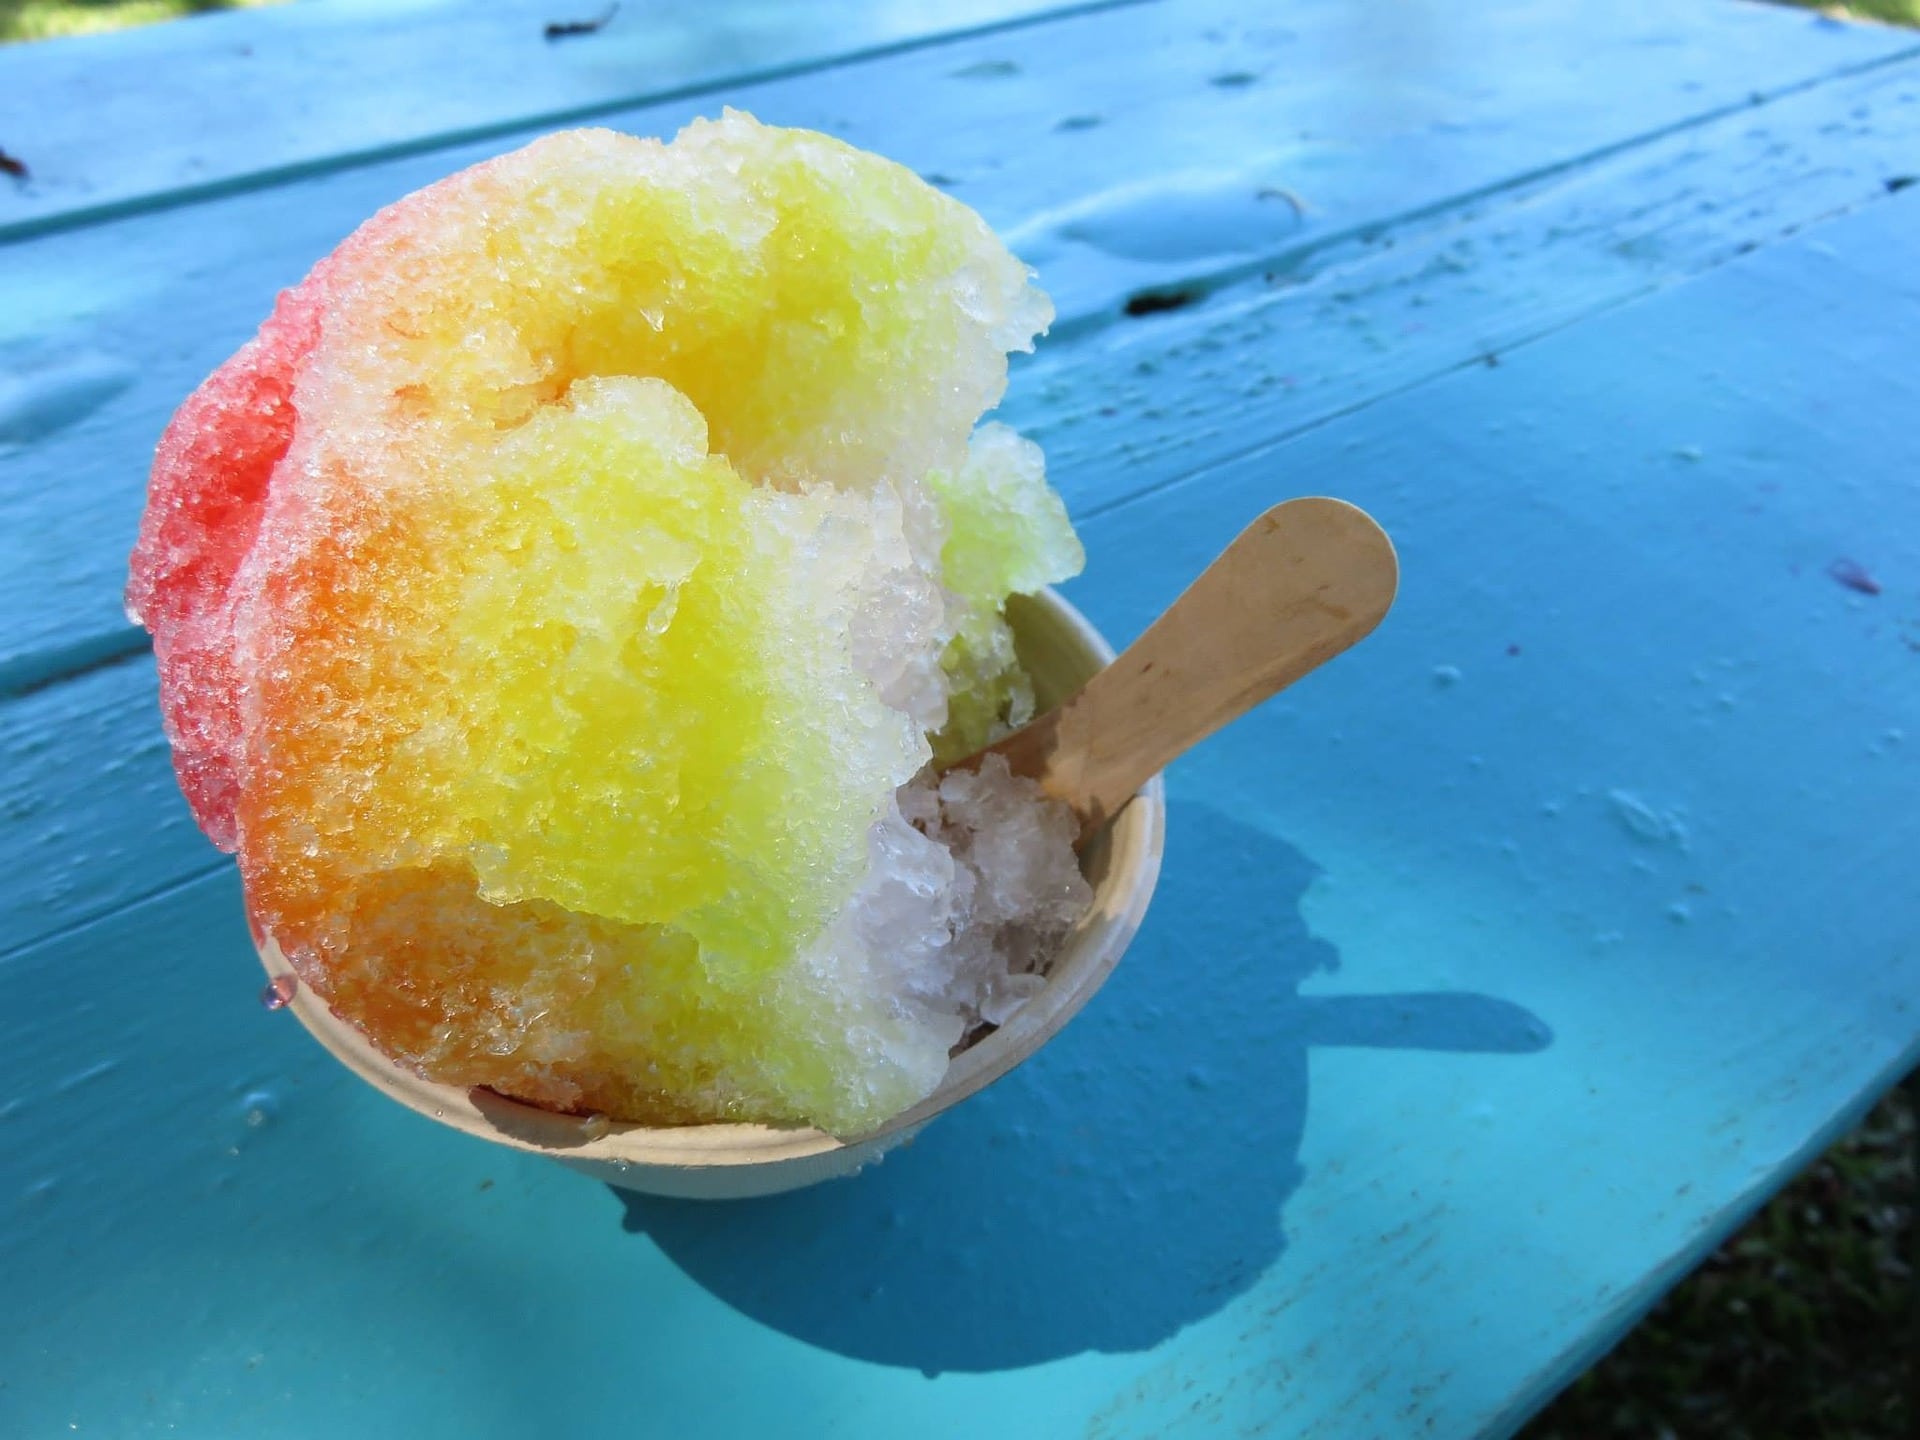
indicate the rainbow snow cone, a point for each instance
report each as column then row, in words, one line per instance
column 560, row 600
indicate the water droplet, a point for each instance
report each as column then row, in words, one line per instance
column 1180, row 218
column 258, row 1107
column 280, row 991
column 1642, row 821
column 595, row 1127
column 1446, row 675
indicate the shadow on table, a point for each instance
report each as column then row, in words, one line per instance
column 1125, row 1182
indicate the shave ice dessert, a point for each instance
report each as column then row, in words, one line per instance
column 564, row 603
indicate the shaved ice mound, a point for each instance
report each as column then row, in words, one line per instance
column 561, row 600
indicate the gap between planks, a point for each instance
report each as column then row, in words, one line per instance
column 64, row 933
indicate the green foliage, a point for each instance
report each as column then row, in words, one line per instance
column 1894, row 12
column 1804, row 1326
column 44, row 19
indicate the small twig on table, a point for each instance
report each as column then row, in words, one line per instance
column 562, row 29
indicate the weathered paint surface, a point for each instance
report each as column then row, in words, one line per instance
column 1496, row 971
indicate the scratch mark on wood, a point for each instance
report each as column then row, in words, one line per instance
column 1154, row 302
column 1854, row 576
column 988, row 70
column 564, row 29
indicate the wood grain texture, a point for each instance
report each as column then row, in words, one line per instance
column 1305, row 581
column 1420, row 249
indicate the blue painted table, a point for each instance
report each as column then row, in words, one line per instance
column 1497, row 971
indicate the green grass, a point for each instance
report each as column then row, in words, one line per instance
column 1804, row 1326
column 44, row 19
column 1893, row 12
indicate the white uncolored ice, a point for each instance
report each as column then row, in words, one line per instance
column 972, row 886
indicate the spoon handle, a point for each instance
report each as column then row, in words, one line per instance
column 1300, row 584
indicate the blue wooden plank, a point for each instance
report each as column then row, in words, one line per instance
column 1495, row 972
column 115, row 123
column 90, row 817
column 93, row 356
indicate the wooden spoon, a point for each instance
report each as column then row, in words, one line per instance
column 1302, row 583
